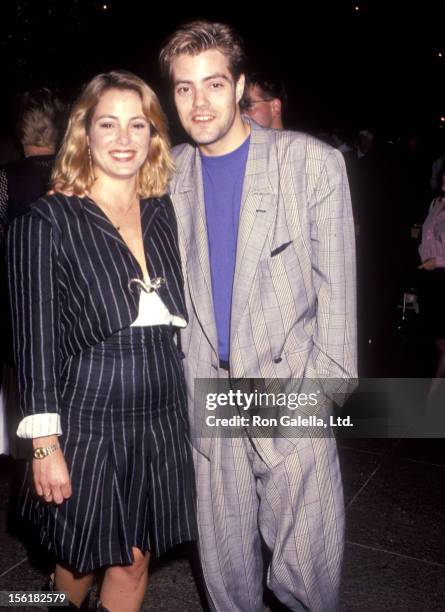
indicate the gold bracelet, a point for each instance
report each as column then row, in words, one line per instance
column 43, row 451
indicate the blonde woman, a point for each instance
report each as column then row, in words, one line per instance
column 97, row 295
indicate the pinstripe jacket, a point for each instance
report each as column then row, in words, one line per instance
column 294, row 296
column 69, row 273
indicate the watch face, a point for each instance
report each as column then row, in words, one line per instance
column 44, row 451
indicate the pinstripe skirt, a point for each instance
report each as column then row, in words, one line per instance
column 127, row 447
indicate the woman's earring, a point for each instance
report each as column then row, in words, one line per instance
column 90, row 161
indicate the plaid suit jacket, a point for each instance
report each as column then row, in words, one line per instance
column 294, row 292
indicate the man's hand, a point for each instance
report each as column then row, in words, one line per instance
column 51, row 478
column 428, row 264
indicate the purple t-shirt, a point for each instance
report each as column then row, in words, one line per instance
column 223, row 179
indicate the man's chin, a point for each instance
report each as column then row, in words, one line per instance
column 203, row 138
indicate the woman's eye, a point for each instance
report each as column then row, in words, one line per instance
column 139, row 126
column 106, row 124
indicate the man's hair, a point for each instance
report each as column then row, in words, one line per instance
column 272, row 86
column 73, row 168
column 40, row 118
column 194, row 37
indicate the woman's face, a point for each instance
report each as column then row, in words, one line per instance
column 119, row 135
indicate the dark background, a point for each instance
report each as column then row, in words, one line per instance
column 377, row 67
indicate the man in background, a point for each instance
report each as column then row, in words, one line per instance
column 40, row 123
column 264, row 100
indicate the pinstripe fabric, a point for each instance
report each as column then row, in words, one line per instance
column 3, row 202
column 293, row 316
column 126, row 445
column 69, row 273
column 119, row 391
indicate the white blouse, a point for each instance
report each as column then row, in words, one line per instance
column 152, row 310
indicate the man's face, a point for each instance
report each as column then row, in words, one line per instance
column 206, row 98
column 258, row 106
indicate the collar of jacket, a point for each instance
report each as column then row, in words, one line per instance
column 150, row 207
column 257, row 167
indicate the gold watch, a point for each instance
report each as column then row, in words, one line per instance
column 43, row 451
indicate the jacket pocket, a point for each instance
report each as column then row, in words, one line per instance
column 280, row 249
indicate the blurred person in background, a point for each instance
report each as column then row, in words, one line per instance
column 432, row 254
column 264, row 100
column 40, row 123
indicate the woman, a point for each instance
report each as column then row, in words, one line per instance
column 97, row 292
column 432, row 254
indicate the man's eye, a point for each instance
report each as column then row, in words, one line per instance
column 217, row 85
column 183, row 90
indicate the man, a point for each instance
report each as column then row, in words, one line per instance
column 264, row 100
column 267, row 241
column 41, row 120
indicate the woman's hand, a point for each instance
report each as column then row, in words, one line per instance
column 51, row 478
column 428, row 264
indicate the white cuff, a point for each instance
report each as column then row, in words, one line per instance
column 40, row 425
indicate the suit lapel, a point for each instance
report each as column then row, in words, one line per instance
column 150, row 208
column 99, row 219
column 258, row 207
column 187, row 195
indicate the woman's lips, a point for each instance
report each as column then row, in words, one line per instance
column 123, row 156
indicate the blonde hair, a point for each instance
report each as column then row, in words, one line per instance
column 73, row 170
column 194, row 37
column 41, row 117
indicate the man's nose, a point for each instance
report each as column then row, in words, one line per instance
column 200, row 97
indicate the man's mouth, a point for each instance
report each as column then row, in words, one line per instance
column 202, row 118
